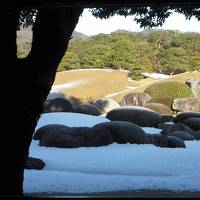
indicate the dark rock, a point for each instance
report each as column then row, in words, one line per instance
column 168, row 128
column 139, row 115
column 76, row 102
column 72, row 137
column 57, row 105
column 196, row 135
column 55, row 95
column 34, row 163
column 182, row 135
column 167, row 118
column 88, row 109
column 124, row 132
column 105, row 105
column 165, row 141
column 157, row 140
column 175, row 142
column 182, row 116
column 193, row 123
column 48, row 129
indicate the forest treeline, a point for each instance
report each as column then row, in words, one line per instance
column 161, row 51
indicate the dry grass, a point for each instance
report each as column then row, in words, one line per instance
column 100, row 83
column 185, row 76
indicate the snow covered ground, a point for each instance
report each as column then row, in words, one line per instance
column 60, row 87
column 116, row 167
column 156, row 75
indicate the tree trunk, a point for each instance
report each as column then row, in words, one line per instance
column 33, row 78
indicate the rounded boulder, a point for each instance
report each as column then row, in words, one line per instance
column 72, row 137
column 135, row 99
column 124, row 132
column 175, row 142
column 182, row 135
column 57, row 105
column 184, row 115
column 193, row 123
column 139, row 115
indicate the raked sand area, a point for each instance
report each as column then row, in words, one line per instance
column 115, row 170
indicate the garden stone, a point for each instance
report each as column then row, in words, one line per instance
column 167, row 118
column 184, row 115
column 168, row 128
column 139, row 115
column 193, row 123
column 55, row 95
column 195, row 86
column 186, row 104
column 182, row 135
column 157, row 140
column 88, row 109
column 105, row 105
column 165, row 141
column 196, row 135
column 72, row 137
column 175, row 142
column 124, row 132
column 57, row 105
column 135, row 99
column 34, row 163
column 48, row 129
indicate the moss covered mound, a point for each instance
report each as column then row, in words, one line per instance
column 158, row 107
column 172, row 89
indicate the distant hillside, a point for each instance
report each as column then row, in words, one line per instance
column 24, row 39
column 78, row 35
column 25, row 35
column 160, row 51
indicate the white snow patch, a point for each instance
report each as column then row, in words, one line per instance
column 115, row 167
column 60, row 87
column 156, row 75
column 70, row 119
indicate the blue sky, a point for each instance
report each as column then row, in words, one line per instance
column 90, row 25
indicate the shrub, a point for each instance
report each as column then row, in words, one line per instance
column 165, row 100
column 91, row 100
column 169, row 88
column 158, row 107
